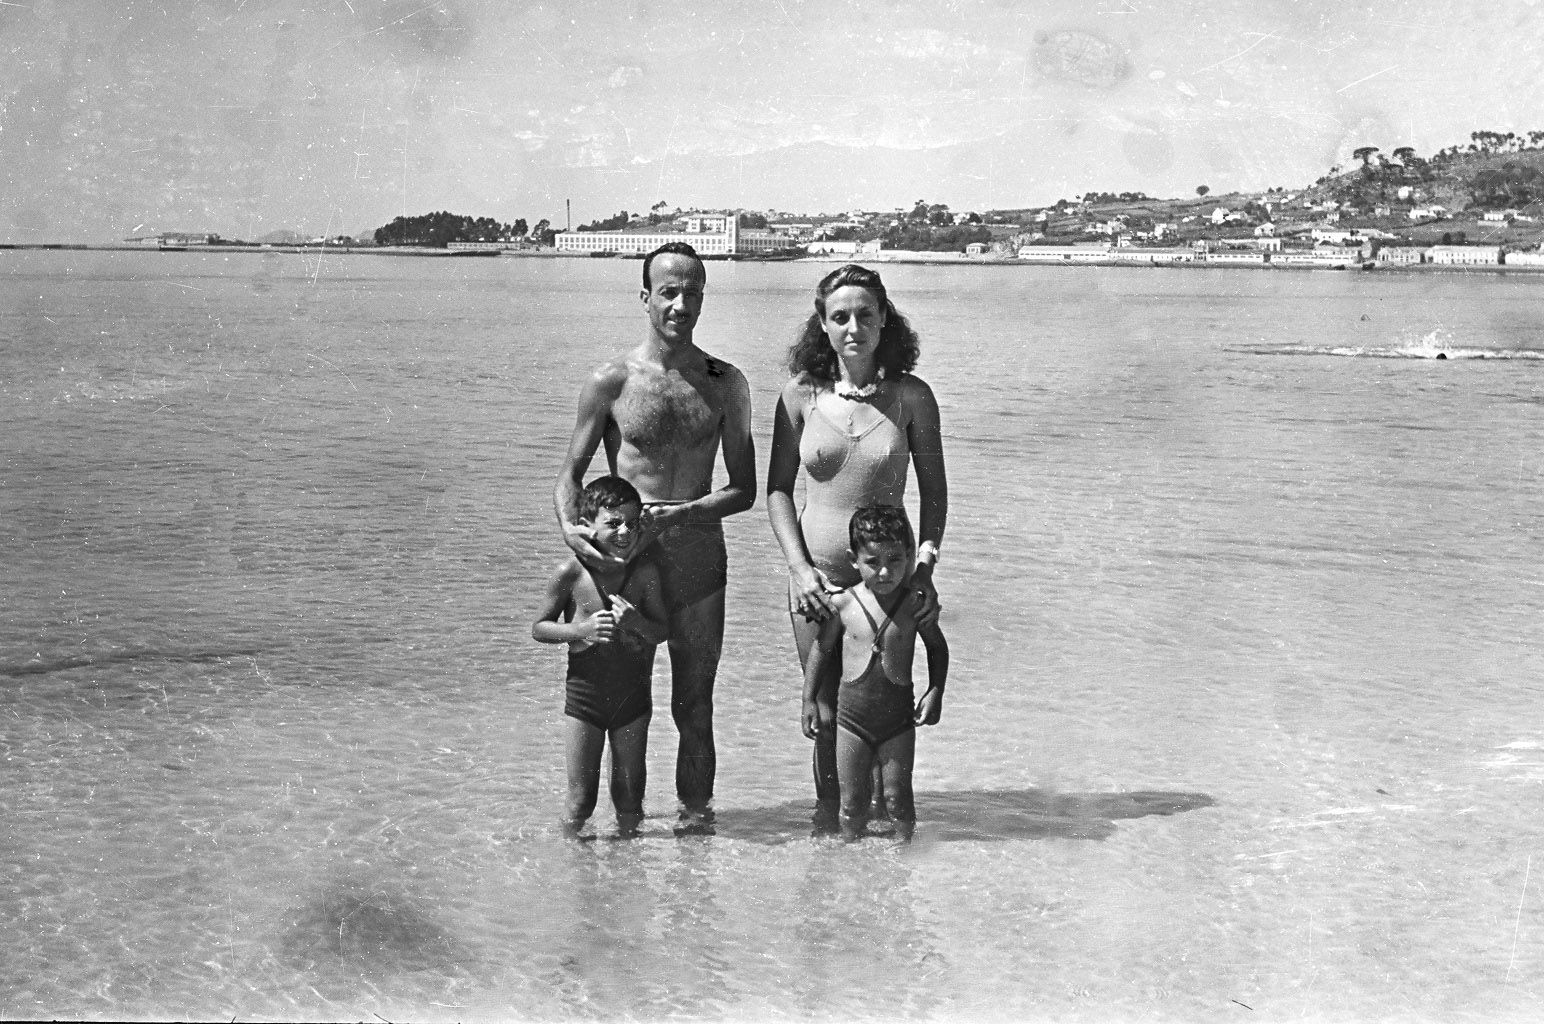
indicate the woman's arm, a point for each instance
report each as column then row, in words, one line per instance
column 924, row 433
column 826, row 648
column 931, row 706
column 809, row 584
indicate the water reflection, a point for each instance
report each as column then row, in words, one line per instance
column 367, row 924
column 861, row 947
column 979, row 815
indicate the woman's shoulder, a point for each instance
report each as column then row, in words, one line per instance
column 799, row 391
column 914, row 394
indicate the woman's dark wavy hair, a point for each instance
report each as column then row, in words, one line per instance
column 812, row 359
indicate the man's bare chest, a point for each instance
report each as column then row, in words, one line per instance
column 667, row 410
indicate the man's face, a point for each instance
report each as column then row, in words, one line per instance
column 674, row 300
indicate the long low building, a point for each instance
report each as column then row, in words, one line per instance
column 1466, row 254
column 731, row 241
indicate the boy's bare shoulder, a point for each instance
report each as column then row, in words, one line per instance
column 567, row 573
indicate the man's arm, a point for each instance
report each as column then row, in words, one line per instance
column 595, row 401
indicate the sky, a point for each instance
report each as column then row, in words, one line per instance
column 334, row 116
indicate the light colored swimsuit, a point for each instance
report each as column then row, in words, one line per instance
column 845, row 471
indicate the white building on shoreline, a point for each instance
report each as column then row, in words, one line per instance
column 1466, row 254
column 716, row 235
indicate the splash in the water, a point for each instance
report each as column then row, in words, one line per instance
column 1438, row 344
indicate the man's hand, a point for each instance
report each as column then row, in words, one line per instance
column 656, row 519
column 577, row 536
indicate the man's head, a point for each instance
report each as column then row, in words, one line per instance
column 671, row 249
column 673, row 279
column 883, row 548
column 611, row 507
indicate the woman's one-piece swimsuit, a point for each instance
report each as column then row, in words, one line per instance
column 872, row 707
column 609, row 684
column 844, row 472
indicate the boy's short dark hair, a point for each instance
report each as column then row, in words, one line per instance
column 879, row 524
column 606, row 492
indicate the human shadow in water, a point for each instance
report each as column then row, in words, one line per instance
column 979, row 815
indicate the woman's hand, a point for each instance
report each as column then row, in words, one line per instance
column 810, row 594
column 809, row 720
column 926, row 609
column 931, row 707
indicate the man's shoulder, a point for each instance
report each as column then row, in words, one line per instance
column 719, row 368
column 725, row 377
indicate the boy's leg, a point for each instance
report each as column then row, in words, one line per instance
column 583, row 744
column 854, row 761
column 629, row 745
column 894, row 760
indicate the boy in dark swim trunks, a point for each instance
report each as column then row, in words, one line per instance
column 876, row 630
column 611, row 618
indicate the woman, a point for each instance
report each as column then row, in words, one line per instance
column 854, row 417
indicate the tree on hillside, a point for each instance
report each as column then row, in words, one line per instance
column 441, row 228
column 621, row 220
column 1201, row 190
column 1365, row 154
column 1511, row 184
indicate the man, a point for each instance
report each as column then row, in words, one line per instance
column 663, row 410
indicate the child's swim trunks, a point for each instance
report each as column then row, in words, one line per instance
column 609, row 684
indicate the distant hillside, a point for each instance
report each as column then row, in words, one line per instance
column 1384, row 193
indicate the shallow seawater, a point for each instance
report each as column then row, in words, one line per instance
column 1242, row 586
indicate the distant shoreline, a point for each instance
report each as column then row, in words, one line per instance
column 902, row 256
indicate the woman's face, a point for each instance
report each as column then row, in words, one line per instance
column 854, row 317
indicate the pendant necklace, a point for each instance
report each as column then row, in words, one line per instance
column 855, row 395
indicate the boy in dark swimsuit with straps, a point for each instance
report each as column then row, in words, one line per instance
column 876, row 630
column 611, row 618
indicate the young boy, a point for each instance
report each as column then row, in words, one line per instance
column 611, row 620
column 876, row 630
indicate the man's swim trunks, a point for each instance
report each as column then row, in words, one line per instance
column 693, row 563
column 609, row 684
